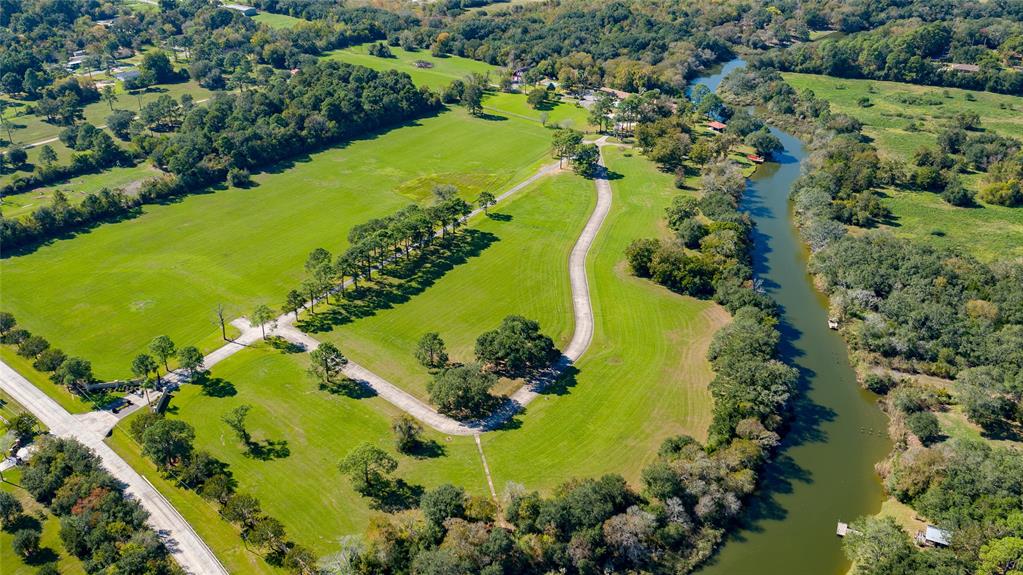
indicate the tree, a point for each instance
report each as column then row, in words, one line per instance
column 164, row 349
column 243, row 509
column 584, row 162
column 33, row 346
column 10, row 508
column 444, row 502
column 326, row 362
column 463, row 392
column 109, row 96
column 167, row 442
column 23, row 426
column 120, row 122
column 431, row 351
column 472, row 98
column 600, row 112
column 924, row 425
column 49, row 360
column 515, row 347
column 565, row 143
column 874, row 543
column 764, row 142
column 235, row 419
column 7, row 323
column 219, row 312
column 261, row 316
column 485, row 200
column 1001, row 557
column 143, row 365
column 17, row 157
column 268, row 533
column 74, row 372
column 407, row 433
column 190, row 359
column 536, row 98
column 366, row 466
column 294, row 302
column 26, row 542
column 46, row 155
column 300, row 561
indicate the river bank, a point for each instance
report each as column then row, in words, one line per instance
column 824, row 471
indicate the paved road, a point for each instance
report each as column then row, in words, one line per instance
column 186, row 547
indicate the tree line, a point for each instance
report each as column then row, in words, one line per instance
column 915, row 308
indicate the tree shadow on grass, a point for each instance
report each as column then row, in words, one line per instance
column 348, row 387
column 267, row 449
column 215, row 386
column 394, row 495
column 428, row 450
column 497, row 216
column 400, row 281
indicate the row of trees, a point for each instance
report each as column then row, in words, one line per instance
column 71, row 372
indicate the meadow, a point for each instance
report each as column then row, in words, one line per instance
column 443, row 72
column 75, row 189
column 986, row 231
column 163, row 272
column 521, row 268
column 276, row 20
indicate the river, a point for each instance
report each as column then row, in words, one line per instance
column 824, row 471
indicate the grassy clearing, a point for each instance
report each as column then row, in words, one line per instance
column 521, row 268
column 29, row 129
column 304, row 489
column 645, row 375
column 444, row 69
column 276, row 20
column 987, row 231
column 75, row 189
column 561, row 113
column 121, row 284
column 50, row 546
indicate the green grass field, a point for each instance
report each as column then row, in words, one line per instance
column 121, row 284
column 987, row 231
column 304, row 489
column 561, row 113
column 276, row 20
column 75, row 189
column 521, row 269
column 438, row 77
column 644, row 377
column 50, row 547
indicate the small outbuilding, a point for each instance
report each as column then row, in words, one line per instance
column 716, row 126
column 243, row 9
column 932, row 536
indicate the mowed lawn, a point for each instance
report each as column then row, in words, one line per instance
column 277, row 20
column 106, row 293
column 986, row 231
column 561, row 113
column 521, row 268
column 444, row 71
column 645, row 376
column 304, row 489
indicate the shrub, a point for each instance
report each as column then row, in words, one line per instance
column 924, row 425
column 879, row 384
column 239, row 178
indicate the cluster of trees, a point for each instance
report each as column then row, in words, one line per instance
column 962, row 147
column 910, row 51
column 60, row 216
column 568, row 143
column 98, row 523
column 71, row 372
column 169, row 444
column 626, row 44
column 690, row 495
column 969, row 488
column 517, row 348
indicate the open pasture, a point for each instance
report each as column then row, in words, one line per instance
column 986, row 231
column 442, row 70
column 163, row 272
